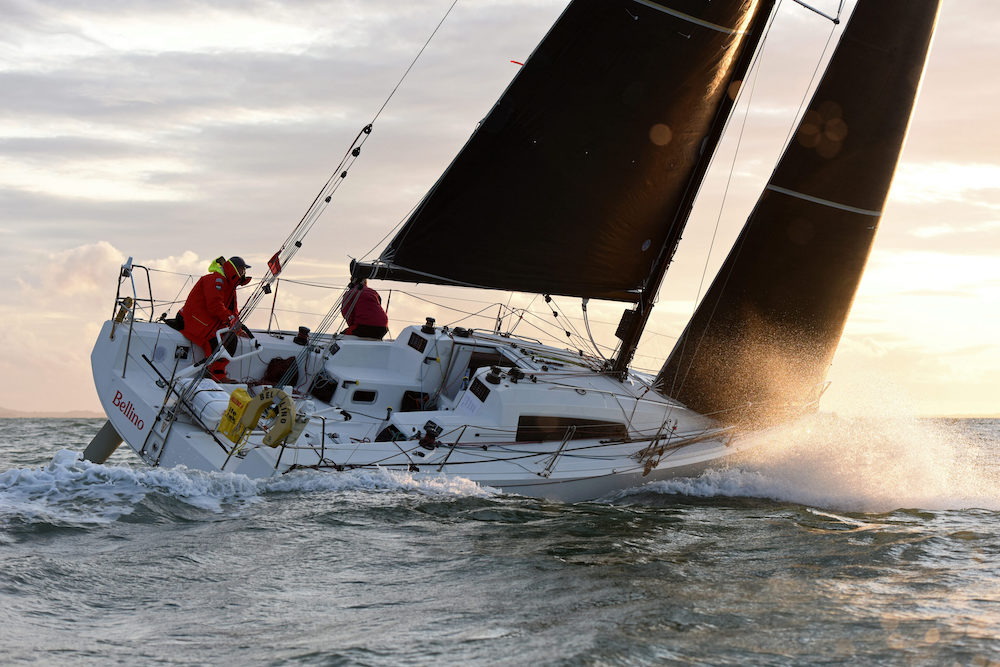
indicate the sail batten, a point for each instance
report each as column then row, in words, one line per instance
column 687, row 17
column 824, row 202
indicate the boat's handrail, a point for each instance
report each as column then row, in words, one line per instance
column 127, row 271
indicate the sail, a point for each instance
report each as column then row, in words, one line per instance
column 572, row 182
column 765, row 333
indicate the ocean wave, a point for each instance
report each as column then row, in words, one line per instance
column 70, row 491
column 74, row 492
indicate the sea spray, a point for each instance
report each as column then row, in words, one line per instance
column 864, row 464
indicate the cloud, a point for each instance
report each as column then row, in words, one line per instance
column 179, row 131
column 943, row 181
column 71, row 273
column 868, row 371
column 936, row 232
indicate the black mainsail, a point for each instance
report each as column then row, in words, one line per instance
column 582, row 172
column 766, row 331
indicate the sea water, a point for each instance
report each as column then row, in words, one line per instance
column 837, row 541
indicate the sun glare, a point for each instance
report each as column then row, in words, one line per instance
column 918, row 183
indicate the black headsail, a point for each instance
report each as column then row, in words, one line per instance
column 573, row 182
column 766, row 331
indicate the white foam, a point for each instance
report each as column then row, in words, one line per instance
column 375, row 480
column 861, row 464
column 73, row 491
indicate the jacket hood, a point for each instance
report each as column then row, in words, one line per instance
column 230, row 272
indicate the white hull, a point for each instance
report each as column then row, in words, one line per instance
column 547, row 425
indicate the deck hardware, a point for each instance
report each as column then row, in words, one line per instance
column 570, row 432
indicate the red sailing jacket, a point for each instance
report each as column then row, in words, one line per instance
column 363, row 308
column 211, row 301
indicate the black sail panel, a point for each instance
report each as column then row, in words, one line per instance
column 571, row 182
column 763, row 337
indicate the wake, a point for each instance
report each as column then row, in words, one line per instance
column 864, row 464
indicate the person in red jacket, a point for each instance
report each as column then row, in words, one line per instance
column 211, row 306
column 362, row 310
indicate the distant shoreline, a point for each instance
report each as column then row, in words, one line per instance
column 70, row 414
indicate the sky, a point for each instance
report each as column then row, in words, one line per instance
column 176, row 132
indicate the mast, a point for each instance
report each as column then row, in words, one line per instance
column 634, row 321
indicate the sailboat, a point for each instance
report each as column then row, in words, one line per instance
column 589, row 164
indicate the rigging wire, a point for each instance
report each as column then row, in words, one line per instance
column 812, row 80
column 415, row 58
column 755, row 66
column 177, row 296
column 293, row 242
column 586, row 321
column 333, row 183
column 834, row 19
column 545, row 326
column 729, row 182
column 738, row 247
column 557, row 312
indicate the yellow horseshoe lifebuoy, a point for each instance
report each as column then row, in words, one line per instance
column 284, row 418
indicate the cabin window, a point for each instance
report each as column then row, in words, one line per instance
column 364, row 396
column 493, row 357
column 536, row 428
column 466, row 361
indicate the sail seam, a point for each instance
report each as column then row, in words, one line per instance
column 687, row 17
column 824, row 202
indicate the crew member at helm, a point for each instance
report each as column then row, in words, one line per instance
column 211, row 306
column 362, row 310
